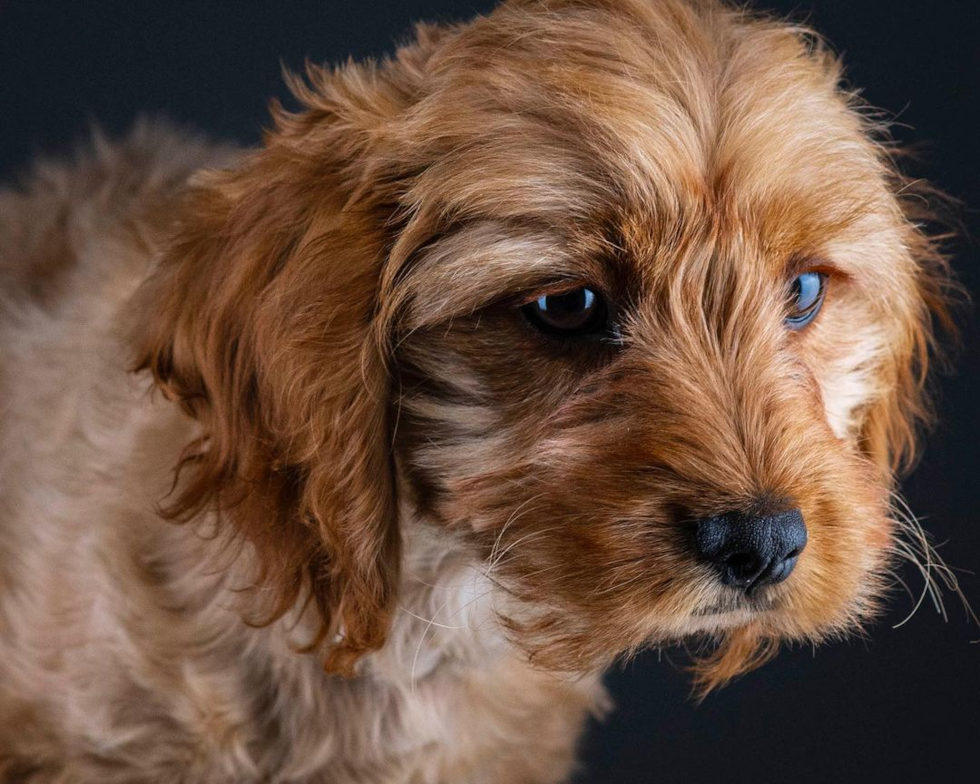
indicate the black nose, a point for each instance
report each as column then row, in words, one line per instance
column 750, row 551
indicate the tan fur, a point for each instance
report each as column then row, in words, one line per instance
column 290, row 492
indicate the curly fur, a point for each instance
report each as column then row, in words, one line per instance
column 410, row 532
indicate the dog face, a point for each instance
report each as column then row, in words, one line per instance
column 619, row 291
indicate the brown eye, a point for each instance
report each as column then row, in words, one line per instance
column 581, row 311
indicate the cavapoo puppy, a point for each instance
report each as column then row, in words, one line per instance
column 585, row 326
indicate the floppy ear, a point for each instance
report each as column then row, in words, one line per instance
column 893, row 422
column 259, row 322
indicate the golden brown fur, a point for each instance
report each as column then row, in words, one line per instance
column 376, row 461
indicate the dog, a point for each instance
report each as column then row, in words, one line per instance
column 586, row 326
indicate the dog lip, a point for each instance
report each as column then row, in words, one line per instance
column 713, row 609
column 757, row 602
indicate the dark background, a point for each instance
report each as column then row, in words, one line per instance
column 902, row 705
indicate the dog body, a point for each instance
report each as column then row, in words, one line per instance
column 129, row 661
column 463, row 384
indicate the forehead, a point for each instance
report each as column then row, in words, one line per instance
column 654, row 128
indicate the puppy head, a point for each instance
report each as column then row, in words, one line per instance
column 632, row 279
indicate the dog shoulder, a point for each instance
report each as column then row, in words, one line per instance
column 94, row 217
column 76, row 238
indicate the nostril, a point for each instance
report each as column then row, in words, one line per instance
column 741, row 569
column 743, row 564
column 741, row 561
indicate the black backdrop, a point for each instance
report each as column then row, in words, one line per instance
column 901, row 706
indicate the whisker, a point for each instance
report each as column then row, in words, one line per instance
column 514, row 516
column 916, row 549
column 512, row 545
column 430, row 621
column 418, row 649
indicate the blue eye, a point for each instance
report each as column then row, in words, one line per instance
column 805, row 298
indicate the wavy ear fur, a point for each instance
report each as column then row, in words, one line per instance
column 260, row 324
column 892, row 424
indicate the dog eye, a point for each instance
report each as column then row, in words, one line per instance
column 582, row 311
column 805, row 298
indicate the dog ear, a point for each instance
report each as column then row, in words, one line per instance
column 259, row 322
column 892, row 423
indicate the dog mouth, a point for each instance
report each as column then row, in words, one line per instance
column 737, row 602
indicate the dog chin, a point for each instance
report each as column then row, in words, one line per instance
column 724, row 615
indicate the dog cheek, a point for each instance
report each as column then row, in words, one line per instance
column 840, row 573
column 846, row 367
